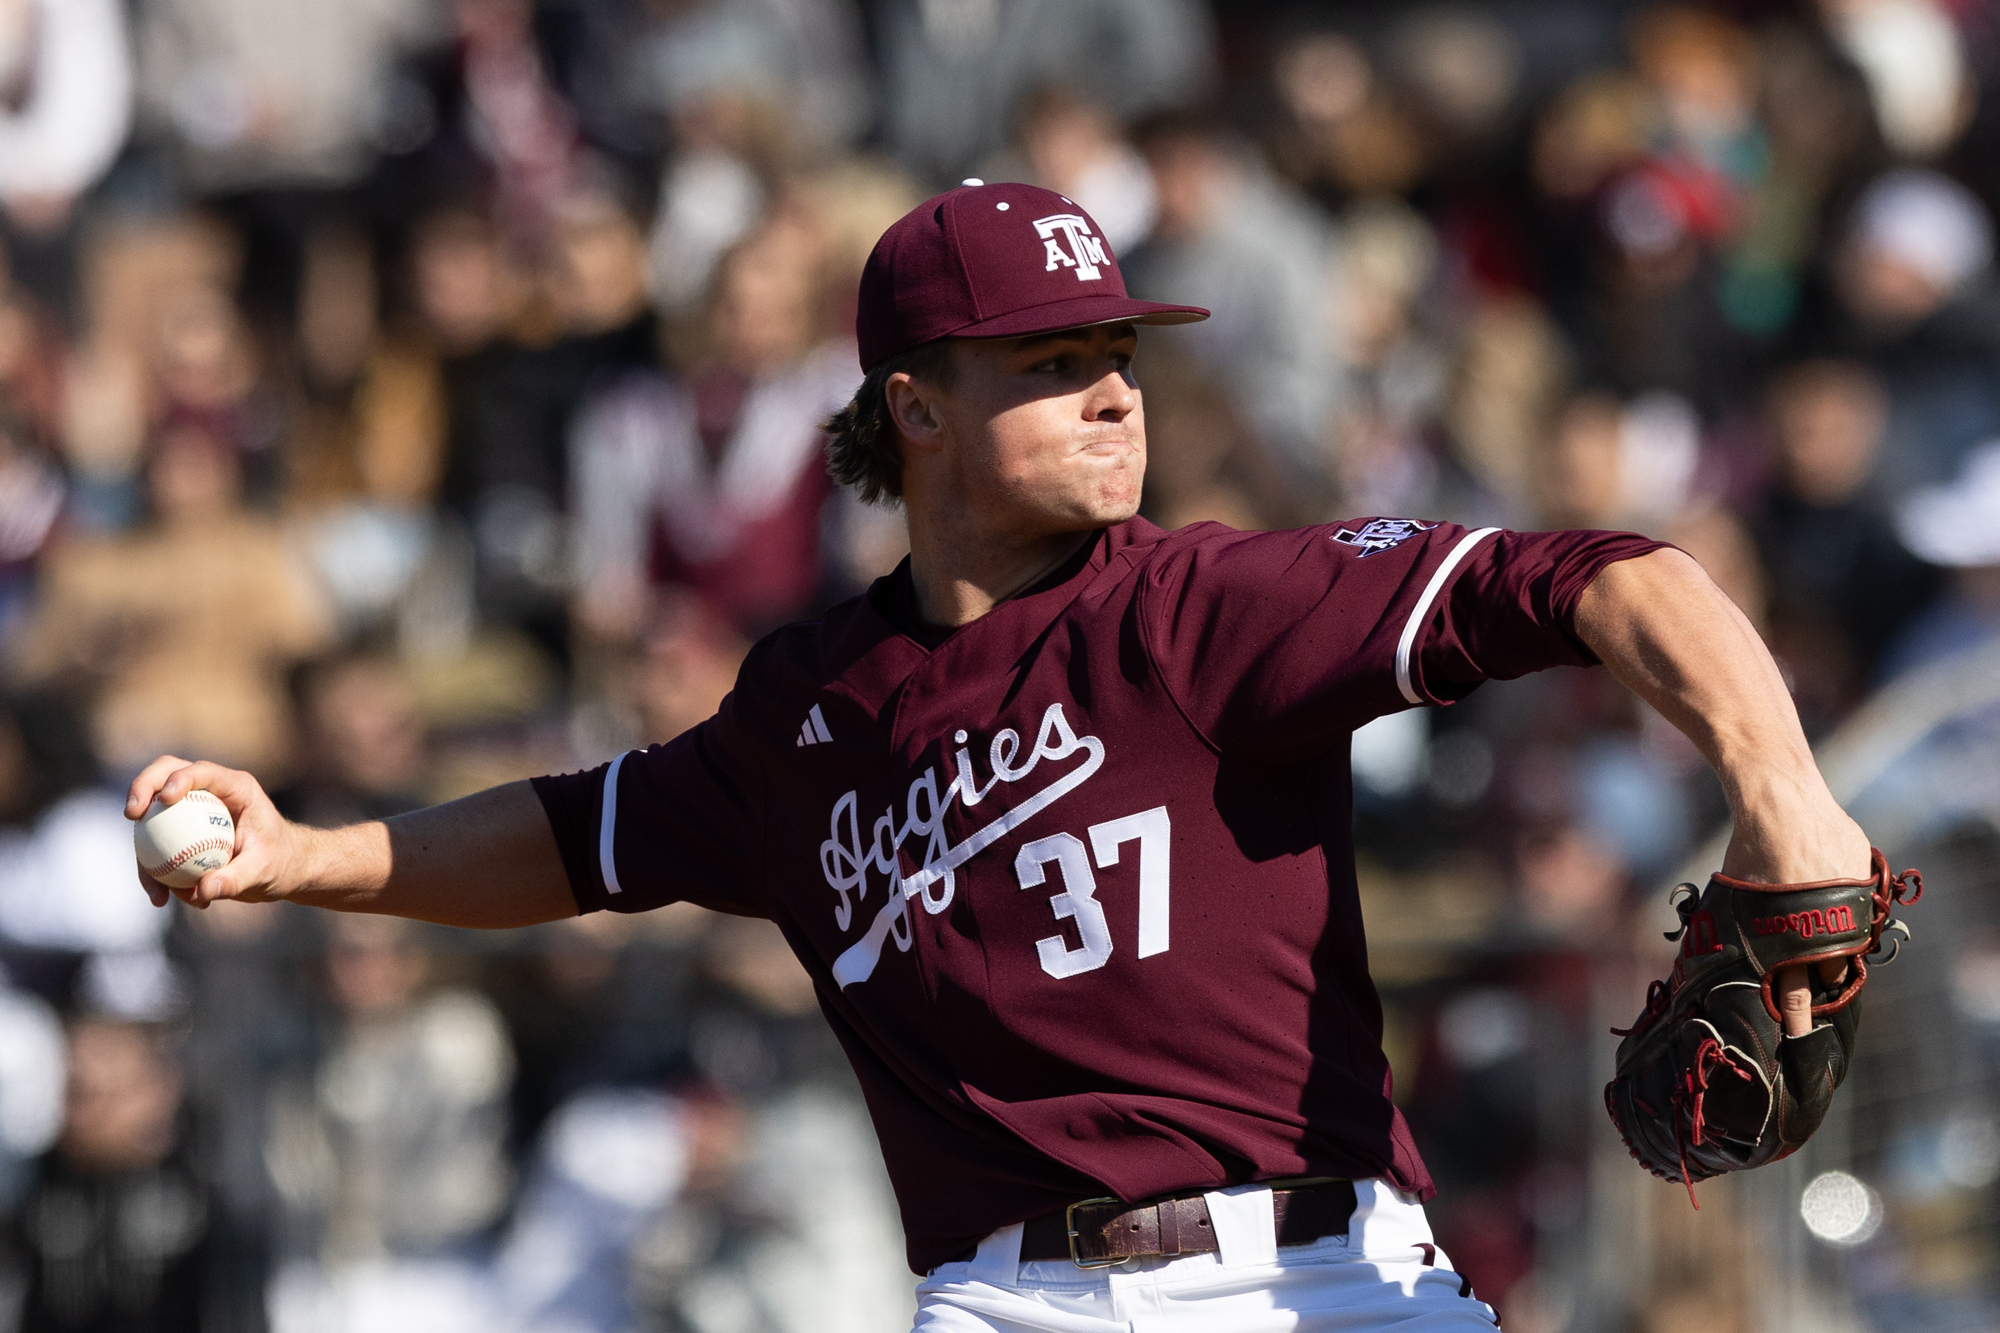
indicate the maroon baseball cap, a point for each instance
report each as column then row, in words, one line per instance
column 994, row 261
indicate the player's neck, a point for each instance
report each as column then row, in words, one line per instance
column 958, row 580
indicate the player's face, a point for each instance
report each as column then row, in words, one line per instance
column 1048, row 433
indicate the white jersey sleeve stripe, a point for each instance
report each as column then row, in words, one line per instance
column 1406, row 646
column 607, row 863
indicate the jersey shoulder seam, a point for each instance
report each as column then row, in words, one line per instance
column 771, row 644
column 1141, row 606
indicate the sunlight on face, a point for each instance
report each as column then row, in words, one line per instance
column 1048, row 433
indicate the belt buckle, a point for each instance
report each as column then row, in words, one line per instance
column 1069, row 1226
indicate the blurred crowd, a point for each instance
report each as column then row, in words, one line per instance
column 402, row 396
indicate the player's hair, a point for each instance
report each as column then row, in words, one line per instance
column 862, row 447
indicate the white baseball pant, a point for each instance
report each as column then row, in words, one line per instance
column 1385, row 1273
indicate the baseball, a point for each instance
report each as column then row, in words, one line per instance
column 179, row 843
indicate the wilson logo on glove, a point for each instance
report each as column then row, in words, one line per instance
column 1832, row 921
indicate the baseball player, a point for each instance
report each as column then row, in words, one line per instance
column 1057, row 815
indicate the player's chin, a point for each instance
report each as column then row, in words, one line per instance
column 1103, row 500
column 1100, row 512
column 1107, row 485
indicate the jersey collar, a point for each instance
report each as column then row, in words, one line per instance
column 871, row 656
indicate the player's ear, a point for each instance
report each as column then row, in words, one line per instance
column 913, row 406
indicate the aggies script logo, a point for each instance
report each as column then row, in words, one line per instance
column 847, row 858
column 1085, row 253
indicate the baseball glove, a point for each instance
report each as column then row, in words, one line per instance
column 1707, row 1080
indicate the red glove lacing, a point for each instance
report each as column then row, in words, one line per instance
column 1689, row 1091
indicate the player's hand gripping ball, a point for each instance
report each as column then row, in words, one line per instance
column 179, row 843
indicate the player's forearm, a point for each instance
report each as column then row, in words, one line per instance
column 1669, row 634
column 487, row 861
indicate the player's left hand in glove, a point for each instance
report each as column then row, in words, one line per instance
column 1707, row 1080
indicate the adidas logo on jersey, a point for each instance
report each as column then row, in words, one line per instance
column 813, row 731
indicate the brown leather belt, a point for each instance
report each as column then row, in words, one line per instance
column 1101, row 1232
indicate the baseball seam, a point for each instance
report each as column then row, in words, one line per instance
column 187, row 853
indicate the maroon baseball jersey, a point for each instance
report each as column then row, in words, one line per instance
column 1075, row 881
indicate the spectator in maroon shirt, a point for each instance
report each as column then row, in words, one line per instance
column 712, row 481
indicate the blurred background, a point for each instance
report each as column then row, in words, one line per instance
column 403, row 396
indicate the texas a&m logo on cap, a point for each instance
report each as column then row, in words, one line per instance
column 993, row 261
column 1085, row 251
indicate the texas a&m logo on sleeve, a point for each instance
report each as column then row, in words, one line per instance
column 1381, row 534
column 1056, row 763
